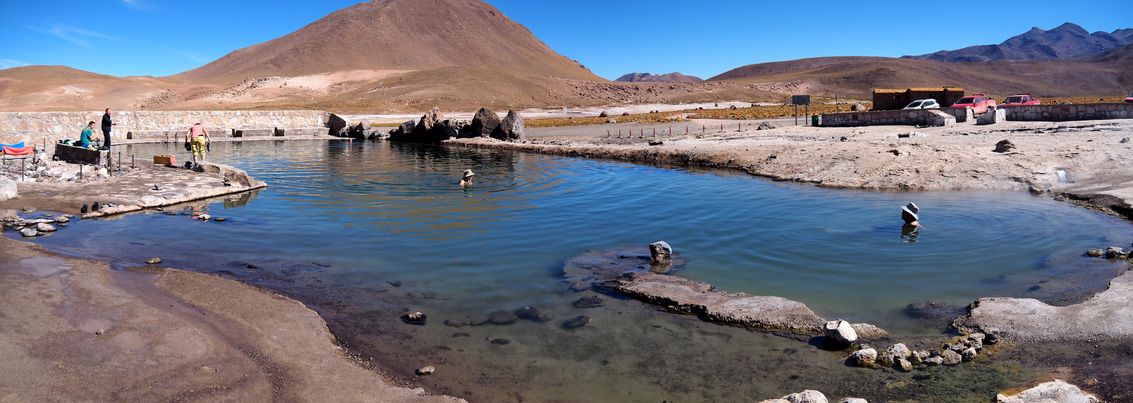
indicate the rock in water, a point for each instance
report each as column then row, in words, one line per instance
column 335, row 123
column 426, row 370
column 358, row 132
column 532, row 314
column 853, row 400
column 660, row 253
column 1095, row 253
column 484, row 123
column 839, row 334
column 577, row 322
column 1111, row 252
column 29, row 232
column 1053, row 391
column 153, row 260
column 588, row 302
column 511, row 128
column 414, row 318
column 502, row 317
column 44, row 227
column 1004, row 146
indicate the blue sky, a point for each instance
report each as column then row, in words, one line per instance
column 163, row 37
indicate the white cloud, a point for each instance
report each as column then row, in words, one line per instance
column 10, row 63
column 78, row 36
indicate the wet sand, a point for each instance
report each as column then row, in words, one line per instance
column 73, row 329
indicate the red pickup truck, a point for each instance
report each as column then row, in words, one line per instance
column 978, row 103
column 1020, row 100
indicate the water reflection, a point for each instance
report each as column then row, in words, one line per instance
column 910, row 233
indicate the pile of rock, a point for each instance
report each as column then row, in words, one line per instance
column 35, row 227
column 900, row 357
column 338, row 127
column 487, row 124
column 433, row 128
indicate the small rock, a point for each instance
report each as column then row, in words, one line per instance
column 894, row 353
column 950, row 357
column 426, row 370
column 588, row 302
column 204, row 217
column 934, row 361
column 29, row 232
column 100, row 332
column 919, row 357
column 991, row 339
column 500, row 341
column 502, row 317
column 839, row 334
column 1111, row 252
column 903, row 365
column 153, row 260
column 44, row 227
column 1124, row 140
column 853, row 400
column 660, row 253
column 414, row 318
column 456, row 322
column 806, row 396
column 532, row 314
column 394, row 283
column 29, row 209
column 969, row 354
column 866, row 357
column 1095, row 253
column 765, row 126
column 577, row 322
column 62, row 219
column 220, row 219
column 1004, row 146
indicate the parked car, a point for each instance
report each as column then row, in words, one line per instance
column 1130, row 97
column 927, row 103
column 1020, row 100
column 978, row 103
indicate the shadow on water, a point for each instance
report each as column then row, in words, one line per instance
column 365, row 232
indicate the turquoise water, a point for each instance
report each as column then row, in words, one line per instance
column 343, row 223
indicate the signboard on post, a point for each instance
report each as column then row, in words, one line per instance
column 804, row 100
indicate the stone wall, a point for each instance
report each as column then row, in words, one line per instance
column 35, row 127
column 913, row 117
column 1061, row 113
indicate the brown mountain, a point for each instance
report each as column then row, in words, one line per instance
column 1067, row 41
column 399, row 35
column 856, row 76
column 658, row 78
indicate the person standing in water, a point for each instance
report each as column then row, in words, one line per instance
column 466, row 181
column 199, row 138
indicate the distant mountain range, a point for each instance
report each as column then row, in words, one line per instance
column 659, row 78
column 1067, row 41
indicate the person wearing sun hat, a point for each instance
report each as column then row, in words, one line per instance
column 466, row 180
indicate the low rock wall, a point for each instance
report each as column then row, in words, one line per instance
column 35, row 127
column 913, row 117
column 1062, row 113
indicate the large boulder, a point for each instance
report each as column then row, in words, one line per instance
column 483, row 124
column 358, row 132
column 839, row 334
column 7, row 189
column 806, row 396
column 1053, row 391
column 336, row 123
column 511, row 128
column 432, row 128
